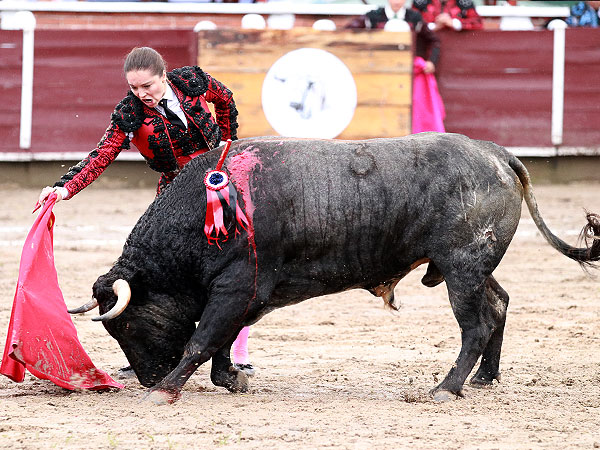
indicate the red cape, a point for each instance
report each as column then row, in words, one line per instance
column 41, row 336
column 428, row 110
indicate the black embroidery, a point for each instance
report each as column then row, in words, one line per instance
column 207, row 126
column 129, row 113
column 197, row 138
column 220, row 87
column 163, row 159
column 74, row 170
column 421, row 4
column 158, row 124
column 181, row 139
column 374, row 18
column 108, row 135
column 126, row 144
column 190, row 80
column 233, row 113
column 465, row 4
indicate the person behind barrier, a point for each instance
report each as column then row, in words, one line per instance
column 584, row 14
column 455, row 15
column 165, row 115
column 427, row 42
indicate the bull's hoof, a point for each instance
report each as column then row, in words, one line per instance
column 480, row 380
column 240, row 383
column 442, row 395
column 233, row 380
column 162, row 397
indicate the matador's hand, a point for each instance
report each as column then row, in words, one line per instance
column 44, row 196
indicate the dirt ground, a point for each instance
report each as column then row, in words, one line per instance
column 340, row 371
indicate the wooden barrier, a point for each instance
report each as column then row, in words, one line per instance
column 380, row 63
column 495, row 85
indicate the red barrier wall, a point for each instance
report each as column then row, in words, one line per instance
column 496, row 84
column 11, row 56
column 77, row 82
column 582, row 94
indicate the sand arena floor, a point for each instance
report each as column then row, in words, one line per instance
column 340, row 371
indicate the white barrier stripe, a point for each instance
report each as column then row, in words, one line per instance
column 190, row 7
column 259, row 8
column 27, row 89
column 558, row 84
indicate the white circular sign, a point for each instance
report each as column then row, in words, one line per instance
column 309, row 93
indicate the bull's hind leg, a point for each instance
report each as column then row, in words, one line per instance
column 489, row 369
column 473, row 314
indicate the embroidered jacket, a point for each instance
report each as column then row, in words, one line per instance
column 166, row 147
column 462, row 10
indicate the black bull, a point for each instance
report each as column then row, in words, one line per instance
column 325, row 216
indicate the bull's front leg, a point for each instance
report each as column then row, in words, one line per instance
column 168, row 390
column 200, row 349
column 219, row 325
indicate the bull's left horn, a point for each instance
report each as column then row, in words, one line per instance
column 84, row 308
column 123, row 292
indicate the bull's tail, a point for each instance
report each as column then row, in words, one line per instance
column 591, row 231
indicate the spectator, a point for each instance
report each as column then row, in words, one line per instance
column 456, row 15
column 515, row 22
column 584, row 14
column 427, row 45
column 427, row 107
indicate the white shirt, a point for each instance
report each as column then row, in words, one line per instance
column 173, row 104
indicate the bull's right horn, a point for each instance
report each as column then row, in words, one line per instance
column 84, row 308
column 123, row 292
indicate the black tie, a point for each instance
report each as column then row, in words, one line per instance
column 173, row 118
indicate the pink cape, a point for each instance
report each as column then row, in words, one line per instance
column 41, row 336
column 428, row 111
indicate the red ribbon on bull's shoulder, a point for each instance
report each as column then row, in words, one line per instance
column 222, row 208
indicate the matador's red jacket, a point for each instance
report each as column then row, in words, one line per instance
column 165, row 146
column 463, row 10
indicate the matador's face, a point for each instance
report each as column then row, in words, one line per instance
column 149, row 88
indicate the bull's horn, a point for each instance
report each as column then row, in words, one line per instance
column 84, row 308
column 123, row 292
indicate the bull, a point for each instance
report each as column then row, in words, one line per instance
column 324, row 216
